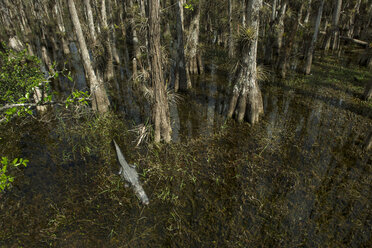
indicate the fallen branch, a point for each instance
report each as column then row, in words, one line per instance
column 356, row 41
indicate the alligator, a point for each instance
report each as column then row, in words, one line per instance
column 129, row 174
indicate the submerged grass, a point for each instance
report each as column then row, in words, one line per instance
column 300, row 178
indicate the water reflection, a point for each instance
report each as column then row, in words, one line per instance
column 211, row 105
column 201, row 112
column 175, row 122
column 313, row 124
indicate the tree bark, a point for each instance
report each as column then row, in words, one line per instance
column 92, row 29
column 368, row 91
column 244, row 17
column 61, row 28
column 284, row 58
column 181, row 77
column 107, row 33
column 368, row 142
column 246, row 99
column 280, row 31
column 38, row 97
column 192, row 48
column 273, row 12
column 332, row 38
column 160, row 109
column 135, row 40
column 231, row 30
column 354, row 14
column 100, row 100
column 367, row 23
column 308, row 12
column 110, row 48
column 310, row 51
column 365, row 58
column 275, row 36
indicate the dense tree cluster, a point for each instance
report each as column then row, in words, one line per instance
column 157, row 45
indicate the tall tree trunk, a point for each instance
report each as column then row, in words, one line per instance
column 194, row 63
column 107, row 33
column 125, row 52
column 61, row 28
column 246, row 98
column 335, row 23
column 92, row 29
column 110, row 48
column 268, row 51
column 353, row 15
column 160, row 105
column 273, row 12
column 364, row 35
column 280, row 31
column 308, row 11
column 39, row 93
column 284, row 58
column 244, row 17
column 115, row 51
column 332, row 38
column 231, row 30
column 310, row 51
column 135, row 32
column 98, row 93
column 275, row 36
column 181, row 77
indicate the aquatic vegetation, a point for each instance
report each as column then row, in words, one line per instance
column 300, row 178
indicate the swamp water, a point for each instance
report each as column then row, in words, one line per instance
column 299, row 178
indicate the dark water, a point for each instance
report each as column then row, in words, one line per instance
column 300, row 178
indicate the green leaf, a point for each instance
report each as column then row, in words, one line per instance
column 4, row 161
column 11, row 111
column 24, row 162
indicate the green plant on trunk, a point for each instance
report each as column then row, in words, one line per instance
column 189, row 5
column 245, row 38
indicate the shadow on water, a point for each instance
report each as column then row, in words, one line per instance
column 297, row 179
column 201, row 112
column 355, row 107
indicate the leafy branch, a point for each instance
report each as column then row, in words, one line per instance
column 5, row 172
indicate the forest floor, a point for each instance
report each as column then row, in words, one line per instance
column 298, row 178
